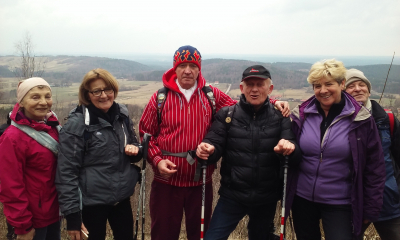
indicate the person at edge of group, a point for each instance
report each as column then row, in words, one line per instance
column 341, row 176
column 388, row 223
column 250, row 172
column 185, row 119
column 10, row 229
column 28, row 167
column 98, row 145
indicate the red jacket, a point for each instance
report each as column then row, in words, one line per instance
column 27, row 172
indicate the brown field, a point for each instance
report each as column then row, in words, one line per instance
column 65, row 98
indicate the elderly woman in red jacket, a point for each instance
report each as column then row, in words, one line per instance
column 28, row 164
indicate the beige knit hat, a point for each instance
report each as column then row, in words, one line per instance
column 28, row 84
column 353, row 75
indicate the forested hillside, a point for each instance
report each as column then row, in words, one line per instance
column 68, row 69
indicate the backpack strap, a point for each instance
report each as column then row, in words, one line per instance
column 161, row 97
column 43, row 138
column 391, row 121
column 211, row 99
column 229, row 115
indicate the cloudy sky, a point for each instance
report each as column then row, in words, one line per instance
column 270, row 27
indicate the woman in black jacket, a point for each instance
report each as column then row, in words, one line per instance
column 95, row 175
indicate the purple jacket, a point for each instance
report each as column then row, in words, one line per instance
column 368, row 177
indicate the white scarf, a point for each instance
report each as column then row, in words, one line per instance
column 187, row 92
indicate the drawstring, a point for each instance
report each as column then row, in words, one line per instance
column 180, row 100
column 201, row 100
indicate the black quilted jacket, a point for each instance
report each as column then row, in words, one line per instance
column 250, row 172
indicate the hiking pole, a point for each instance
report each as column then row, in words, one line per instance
column 384, row 86
column 142, row 192
column 203, row 196
column 145, row 142
column 285, row 168
column 137, row 213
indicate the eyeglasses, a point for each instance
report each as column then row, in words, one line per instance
column 97, row 93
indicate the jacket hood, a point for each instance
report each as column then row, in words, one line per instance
column 170, row 76
column 360, row 112
column 20, row 118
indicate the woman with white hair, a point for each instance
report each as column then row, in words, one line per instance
column 28, row 164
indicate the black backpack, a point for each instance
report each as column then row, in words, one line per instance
column 4, row 126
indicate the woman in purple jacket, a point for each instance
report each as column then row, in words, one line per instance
column 342, row 173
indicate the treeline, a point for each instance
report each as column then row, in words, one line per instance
column 68, row 69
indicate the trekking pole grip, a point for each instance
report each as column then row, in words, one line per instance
column 145, row 143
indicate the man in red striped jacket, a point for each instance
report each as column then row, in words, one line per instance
column 186, row 117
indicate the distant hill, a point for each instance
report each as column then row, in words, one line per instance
column 284, row 74
column 72, row 69
column 5, row 72
column 376, row 74
column 227, row 70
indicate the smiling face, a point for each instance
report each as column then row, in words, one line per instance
column 104, row 101
column 359, row 90
column 256, row 91
column 328, row 91
column 187, row 74
column 37, row 103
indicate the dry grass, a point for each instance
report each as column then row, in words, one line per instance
column 240, row 233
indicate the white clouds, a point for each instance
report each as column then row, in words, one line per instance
column 307, row 27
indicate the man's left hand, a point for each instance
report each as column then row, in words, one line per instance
column 283, row 106
column 284, row 147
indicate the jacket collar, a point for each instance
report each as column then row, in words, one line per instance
column 378, row 112
column 19, row 117
column 169, row 78
column 249, row 108
column 360, row 113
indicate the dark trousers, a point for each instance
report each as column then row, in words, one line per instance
column 387, row 230
column 167, row 204
column 10, row 232
column 228, row 213
column 51, row 232
column 119, row 216
column 336, row 220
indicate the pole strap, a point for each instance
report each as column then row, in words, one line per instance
column 189, row 155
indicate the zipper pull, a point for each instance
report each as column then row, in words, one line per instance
column 320, row 160
column 188, row 110
column 254, row 116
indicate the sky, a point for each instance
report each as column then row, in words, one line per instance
column 215, row 27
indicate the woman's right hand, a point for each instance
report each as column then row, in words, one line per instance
column 131, row 150
column 28, row 236
column 78, row 235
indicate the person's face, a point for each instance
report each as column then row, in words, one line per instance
column 359, row 90
column 328, row 91
column 256, row 91
column 104, row 101
column 37, row 103
column 187, row 74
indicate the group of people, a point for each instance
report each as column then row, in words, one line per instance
column 340, row 145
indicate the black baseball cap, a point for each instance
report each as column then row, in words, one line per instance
column 256, row 71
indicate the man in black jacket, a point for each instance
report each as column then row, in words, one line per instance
column 249, row 136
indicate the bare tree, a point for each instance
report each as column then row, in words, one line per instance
column 29, row 64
